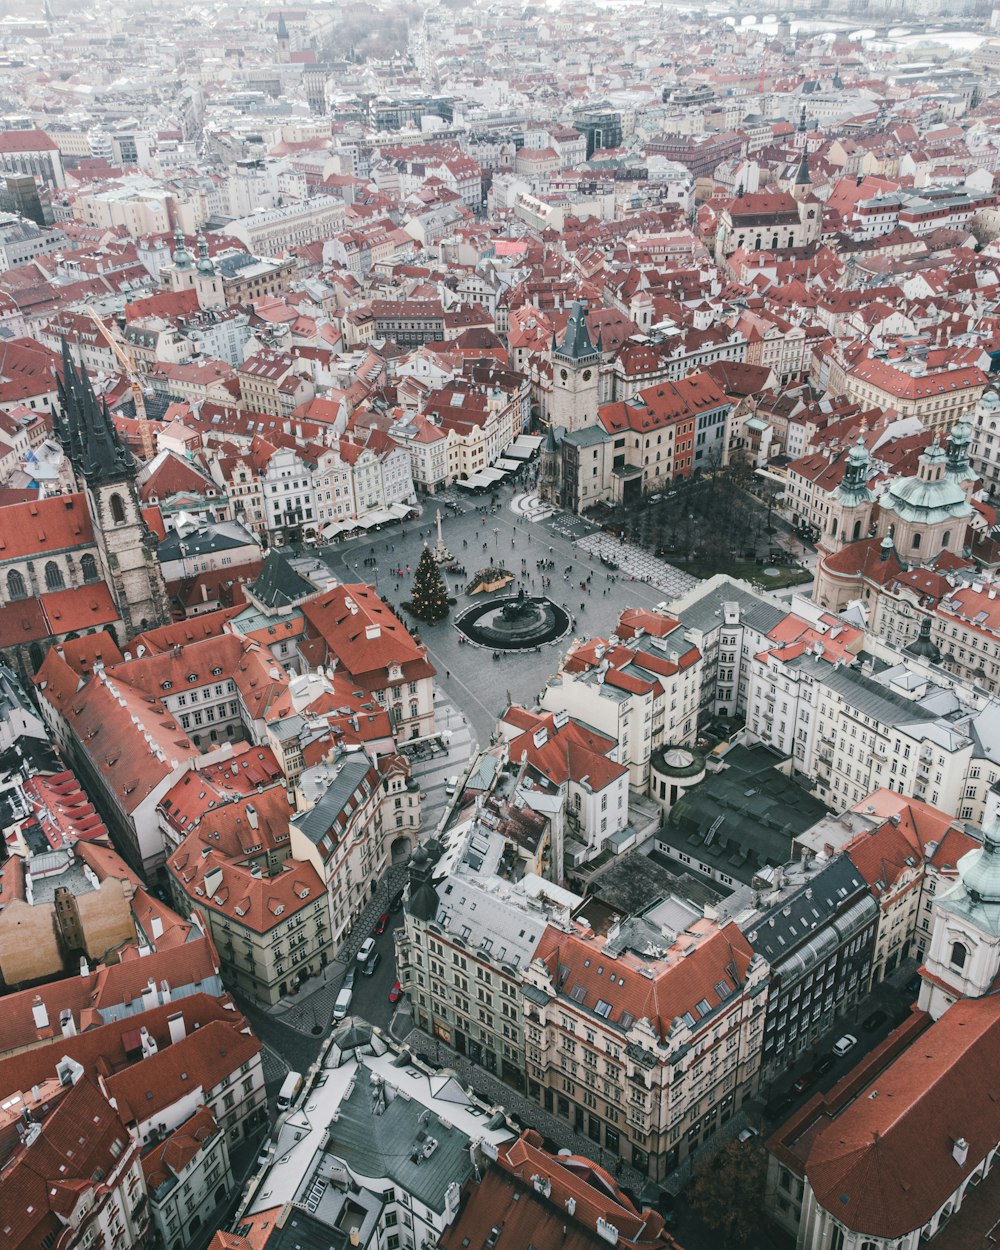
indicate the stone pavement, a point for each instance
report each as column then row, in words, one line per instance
column 530, row 507
column 636, row 563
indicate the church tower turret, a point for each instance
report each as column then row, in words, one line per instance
column 964, row 958
column 851, row 506
column 575, row 375
column 284, row 42
column 106, row 471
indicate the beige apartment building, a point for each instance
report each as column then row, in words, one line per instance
column 646, row 1037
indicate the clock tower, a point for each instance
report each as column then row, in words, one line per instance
column 575, row 375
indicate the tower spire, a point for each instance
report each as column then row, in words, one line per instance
column 86, row 430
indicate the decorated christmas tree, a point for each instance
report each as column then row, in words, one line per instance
column 429, row 599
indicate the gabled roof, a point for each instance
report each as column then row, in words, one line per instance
column 278, row 585
column 886, row 1163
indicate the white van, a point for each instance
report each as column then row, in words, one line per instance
column 343, row 1004
column 289, row 1089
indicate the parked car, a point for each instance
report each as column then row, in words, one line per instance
column 805, row 1081
column 824, row 1063
column 846, row 1043
column 348, row 981
column 747, row 1135
column 382, row 923
column 369, row 969
column 367, row 946
column 874, row 1021
column 451, row 786
column 397, row 900
column 343, row 1004
column 396, row 992
column 777, row 1107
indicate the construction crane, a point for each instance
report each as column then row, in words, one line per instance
column 125, row 357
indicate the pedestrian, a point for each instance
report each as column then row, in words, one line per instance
column 447, row 674
column 582, row 606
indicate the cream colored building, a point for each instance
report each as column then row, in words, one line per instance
column 272, row 932
column 354, row 817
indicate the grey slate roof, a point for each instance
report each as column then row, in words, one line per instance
column 392, row 1143
column 576, row 344
column 278, row 585
column 319, row 820
column 758, row 613
column 203, row 541
column 743, row 818
column 791, row 922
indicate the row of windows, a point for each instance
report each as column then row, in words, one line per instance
column 17, row 587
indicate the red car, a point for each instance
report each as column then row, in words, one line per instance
column 805, row 1081
column 395, row 993
column 383, row 923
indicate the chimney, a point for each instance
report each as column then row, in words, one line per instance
column 960, row 1151
column 67, row 1024
column 175, row 1024
column 252, row 820
column 148, row 1042
column 84, row 966
column 157, row 926
column 149, row 995
column 372, row 632
column 39, row 1013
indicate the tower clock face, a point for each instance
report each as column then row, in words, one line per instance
column 564, row 374
column 586, row 375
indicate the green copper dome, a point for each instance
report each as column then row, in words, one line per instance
column 931, row 496
column 980, row 869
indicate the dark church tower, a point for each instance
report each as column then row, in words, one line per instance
column 284, row 40
column 106, row 471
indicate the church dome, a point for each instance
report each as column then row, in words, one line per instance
column 981, row 878
column 931, row 496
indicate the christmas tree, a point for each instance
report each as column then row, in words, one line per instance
column 429, row 600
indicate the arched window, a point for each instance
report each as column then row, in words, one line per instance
column 117, row 509
column 16, row 589
column 53, row 577
column 88, row 566
column 834, row 530
column 857, row 530
column 945, row 538
column 958, row 954
column 915, row 542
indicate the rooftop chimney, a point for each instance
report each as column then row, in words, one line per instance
column 40, row 1013
column 960, row 1150
column 252, row 820
column 175, row 1024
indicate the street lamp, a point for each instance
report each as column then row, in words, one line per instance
column 496, row 535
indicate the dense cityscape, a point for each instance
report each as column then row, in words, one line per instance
column 499, row 626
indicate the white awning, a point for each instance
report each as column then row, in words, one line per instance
column 511, row 466
column 524, row 446
column 400, row 510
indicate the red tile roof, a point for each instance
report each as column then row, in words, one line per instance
column 44, row 525
column 508, row 1197
column 885, row 1164
column 678, row 983
column 359, row 629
